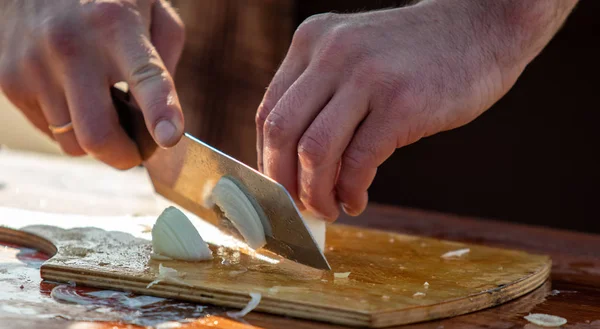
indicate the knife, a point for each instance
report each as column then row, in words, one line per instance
column 183, row 172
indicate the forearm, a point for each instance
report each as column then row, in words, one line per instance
column 514, row 31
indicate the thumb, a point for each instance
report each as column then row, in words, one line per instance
column 151, row 85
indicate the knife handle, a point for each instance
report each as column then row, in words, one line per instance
column 131, row 119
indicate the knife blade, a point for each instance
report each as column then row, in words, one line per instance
column 186, row 172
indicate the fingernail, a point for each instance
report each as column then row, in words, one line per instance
column 165, row 133
column 348, row 210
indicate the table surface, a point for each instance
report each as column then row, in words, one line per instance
column 60, row 185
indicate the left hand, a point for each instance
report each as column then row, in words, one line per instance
column 355, row 87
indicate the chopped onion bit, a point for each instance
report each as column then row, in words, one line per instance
column 545, row 320
column 456, row 253
column 426, row 285
column 341, row 275
column 419, row 294
column 255, row 298
column 167, row 274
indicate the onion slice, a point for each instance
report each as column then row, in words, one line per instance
column 242, row 211
column 252, row 304
column 175, row 237
column 545, row 320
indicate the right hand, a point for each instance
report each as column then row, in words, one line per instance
column 58, row 60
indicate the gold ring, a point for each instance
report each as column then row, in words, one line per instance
column 61, row 129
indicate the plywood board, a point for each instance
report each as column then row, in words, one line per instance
column 385, row 287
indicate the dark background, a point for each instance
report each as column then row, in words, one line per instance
column 531, row 158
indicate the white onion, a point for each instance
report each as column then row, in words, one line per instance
column 252, row 304
column 175, row 237
column 317, row 228
column 546, row 320
column 241, row 212
column 456, row 253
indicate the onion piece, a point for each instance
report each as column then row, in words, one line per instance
column 545, row 320
column 419, row 294
column 167, row 274
column 456, row 253
column 241, row 210
column 255, row 298
column 317, row 228
column 175, row 237
column 341, row 275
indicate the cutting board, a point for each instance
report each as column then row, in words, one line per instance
column 386, row 285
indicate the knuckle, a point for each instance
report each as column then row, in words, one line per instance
column 261, row 115
column 32, row 62
column 147, row 71
column 61, row 36
column 359, row 158
column 274, row 129
column 311, row 28
column 95, row 140
column 337, row 41
column 312, row 150
column 105, row 15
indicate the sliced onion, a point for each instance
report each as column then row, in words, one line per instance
column 175, row 237
column 252, row 304
column 242, row 211
column 546, row 320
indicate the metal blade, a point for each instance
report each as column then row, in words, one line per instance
column 186, row 173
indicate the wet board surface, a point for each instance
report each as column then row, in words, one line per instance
column 385, row 287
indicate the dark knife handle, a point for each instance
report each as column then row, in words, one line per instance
column 131, row 119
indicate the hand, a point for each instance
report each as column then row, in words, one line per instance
column 353, row 88
column 58, row 60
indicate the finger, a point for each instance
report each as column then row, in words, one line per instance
column 45, row 84
column 290, row 118
column 288, row 73
column 168, row 34
column 55, row 109
column 321, row 148
column 372, row 144
column 94, row 118
column 151, row 85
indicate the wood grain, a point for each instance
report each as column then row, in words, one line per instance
column 386, row 271
column 62, row 185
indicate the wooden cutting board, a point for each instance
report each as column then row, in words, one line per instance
column 386, row 285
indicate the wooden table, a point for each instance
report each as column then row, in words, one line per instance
column 59, row 185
